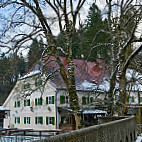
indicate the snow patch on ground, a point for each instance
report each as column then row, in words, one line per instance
column 139, row 139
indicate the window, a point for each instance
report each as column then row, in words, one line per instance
column 140, row 99
column 131, row 99
column 17, row 120
column 17, row 104
column 83, row 100
column 39, row 120
column 64, row 99
column 50, row 100
column 27, row 102
column 38, row 101
column 27, row 86
column 26, row 120
column 91, row 99
column 38, row 82
column 50, row 120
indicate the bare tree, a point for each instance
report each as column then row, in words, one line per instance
column 32, row 18
column 123, row 20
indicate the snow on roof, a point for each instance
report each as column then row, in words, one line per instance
column 94, row 111
column 3, row 108
column 130, row 73
column 29, row 74
column 136, row 86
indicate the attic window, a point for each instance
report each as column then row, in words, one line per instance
column 38, row 82
column 27, row 86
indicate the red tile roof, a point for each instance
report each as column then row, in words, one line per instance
column 91, row 72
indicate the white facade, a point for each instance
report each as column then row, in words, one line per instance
column 33, row 106
column 34, row 111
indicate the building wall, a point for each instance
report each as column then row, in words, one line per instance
column 45, row 110
column 86, row 93
column 32, row 111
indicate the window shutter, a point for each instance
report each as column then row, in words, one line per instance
column 24, row 120
column 36, row 83
column 83, row 100
column 24, row 102
column 62, row 99
column 41, row 120
column 28, row 85
column 35, row 120
column 40, row 101
column 29, row 102
column 40, row 83
column 18, row 103
column 35, row 102
column 53, row 120
column 29, row 120
column 18, row 120
column 127, row 99
column 133, row 99
column 52, row 99
column 46, row 120
column 46, row 100
column 91, row 99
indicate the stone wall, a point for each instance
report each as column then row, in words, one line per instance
column 123, row 130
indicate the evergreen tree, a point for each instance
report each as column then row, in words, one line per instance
column 88, row 36
column 35, row 52
column 11, row 68
column 94, row 39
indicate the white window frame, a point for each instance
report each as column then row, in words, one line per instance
column 38, row 101
column 50, row 100
column 50, row 120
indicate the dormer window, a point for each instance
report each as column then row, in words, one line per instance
column 27, row 86
column 38, row 82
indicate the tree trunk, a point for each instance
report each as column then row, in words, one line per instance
column 77, row 120
column 111, row 94
column 122, row 93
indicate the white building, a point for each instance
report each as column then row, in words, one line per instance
column 38, row 104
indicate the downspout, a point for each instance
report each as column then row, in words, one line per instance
column 56, row 109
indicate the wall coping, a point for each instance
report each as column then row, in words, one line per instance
column 88, row 129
